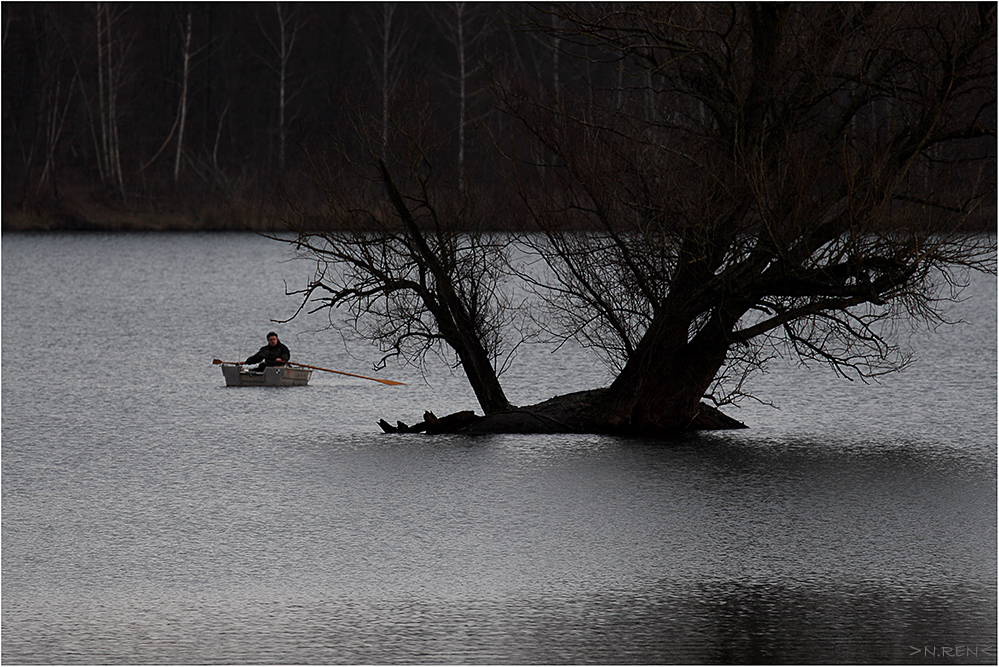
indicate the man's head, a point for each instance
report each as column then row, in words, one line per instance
column 272, row 339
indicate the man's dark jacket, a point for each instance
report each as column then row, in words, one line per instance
column 269, row 354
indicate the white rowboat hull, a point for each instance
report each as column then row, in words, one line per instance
column 273, row 376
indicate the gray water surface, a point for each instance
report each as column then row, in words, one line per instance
column 152, row 515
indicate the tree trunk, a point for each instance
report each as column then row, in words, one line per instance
column 479, row 370
column 453, row 319
column 387, row 50
column 459, row 42
column 288, row 25
column 661, row 386
column 103, row 162
column 182, row 109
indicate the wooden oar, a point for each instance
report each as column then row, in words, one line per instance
column 330, row 370
column 315, row 368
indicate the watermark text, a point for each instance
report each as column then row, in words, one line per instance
column 955, row 651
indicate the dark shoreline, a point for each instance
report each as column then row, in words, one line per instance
column 98, row 218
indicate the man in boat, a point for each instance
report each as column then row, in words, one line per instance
column 275, row 353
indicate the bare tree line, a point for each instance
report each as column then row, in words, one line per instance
column 97, row 95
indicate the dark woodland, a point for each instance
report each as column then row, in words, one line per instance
column 206, row 116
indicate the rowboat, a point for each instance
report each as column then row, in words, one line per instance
column 292, row 375
column 272, row 376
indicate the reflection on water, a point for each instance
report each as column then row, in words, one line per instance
column 721, row 623
column 151, row 515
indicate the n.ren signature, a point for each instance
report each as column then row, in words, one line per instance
column 955, row 651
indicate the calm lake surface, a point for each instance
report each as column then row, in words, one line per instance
column 152, row 515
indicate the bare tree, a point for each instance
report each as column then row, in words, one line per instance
column 289, row 23
column 182, row 105
column 112, row 49
column 58, row 84
column 463, row 26
column 179, row 126
column 407, row 260
column 57, row 105
column 384, row 36
column 776, row 200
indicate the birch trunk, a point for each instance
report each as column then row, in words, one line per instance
column 182, row 109
column 462, row 94
column 108, row 83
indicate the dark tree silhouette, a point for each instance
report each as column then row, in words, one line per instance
column 801, row 186
column 407, row 253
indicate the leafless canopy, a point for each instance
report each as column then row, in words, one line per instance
column 791, row 178
column 405, row 258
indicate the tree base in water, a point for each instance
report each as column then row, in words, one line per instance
column 571, row 413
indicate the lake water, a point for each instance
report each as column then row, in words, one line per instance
column 152, row 515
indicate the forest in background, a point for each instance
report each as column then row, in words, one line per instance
column 207, row 116
column 226, row 116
